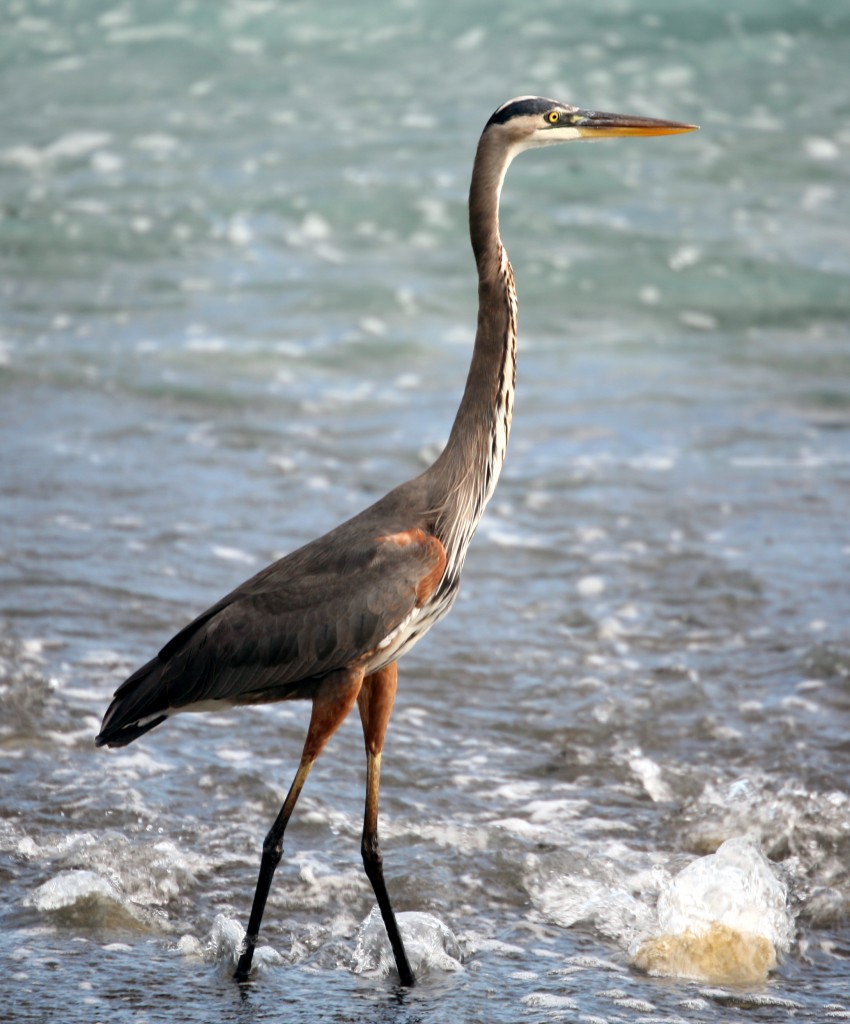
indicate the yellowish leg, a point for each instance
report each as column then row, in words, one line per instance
column 375, row 702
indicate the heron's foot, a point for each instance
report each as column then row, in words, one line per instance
column 242, row 974
column 406, row 976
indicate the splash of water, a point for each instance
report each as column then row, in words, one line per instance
column 724, row 919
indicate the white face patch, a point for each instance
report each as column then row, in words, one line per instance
column 552, row 136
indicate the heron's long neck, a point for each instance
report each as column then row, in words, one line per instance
column 466, row 473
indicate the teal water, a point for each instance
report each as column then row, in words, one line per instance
column 236, row 305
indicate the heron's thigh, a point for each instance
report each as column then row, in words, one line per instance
column 375, row 701
column 333, row 698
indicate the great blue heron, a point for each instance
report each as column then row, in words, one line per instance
column 329, row 621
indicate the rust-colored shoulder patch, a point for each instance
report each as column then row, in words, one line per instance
column 431, row 555
column 405, row 538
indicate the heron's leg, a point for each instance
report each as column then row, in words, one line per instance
column 333, row 700
column 375, row 702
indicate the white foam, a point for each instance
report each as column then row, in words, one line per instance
column 821, row 149
column 233, row 554
column 106, row 162
column 605, row 903
column 69, row 887
column 723, row 918
column 551, row 1002
column 698, row 320
column 88, row 899
column 239, row 231
column 470, row 40
column 649, row 774
column 429, row 944
column 313, row 228
column 206, row 343
column 507, row 538
column 73, row 145
column 591, row 586
column 224, row 947
column 234, row 756
column 149, row 33
column 737, row 886
column 26, row 157
column 157, row 144
column 685, row 256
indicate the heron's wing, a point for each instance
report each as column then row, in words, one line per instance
column 309, row 614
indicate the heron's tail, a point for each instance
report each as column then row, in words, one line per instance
column 139, row 704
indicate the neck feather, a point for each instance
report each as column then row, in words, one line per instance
column 465, row 475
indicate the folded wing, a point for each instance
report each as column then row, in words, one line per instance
column 274, row 637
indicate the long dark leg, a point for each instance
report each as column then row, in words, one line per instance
column 332, row 702
column 376, row 704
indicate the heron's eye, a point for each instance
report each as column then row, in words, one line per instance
column 553, row 117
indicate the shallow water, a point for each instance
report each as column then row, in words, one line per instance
column 237, row 306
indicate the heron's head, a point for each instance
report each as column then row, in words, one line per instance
column 531, row 121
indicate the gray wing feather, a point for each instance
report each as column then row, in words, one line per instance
column 309, row 614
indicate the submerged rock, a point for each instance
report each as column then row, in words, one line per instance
column 719, row 954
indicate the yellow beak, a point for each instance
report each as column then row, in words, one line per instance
column 594, row 124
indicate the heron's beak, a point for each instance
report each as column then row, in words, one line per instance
column 593, row 124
